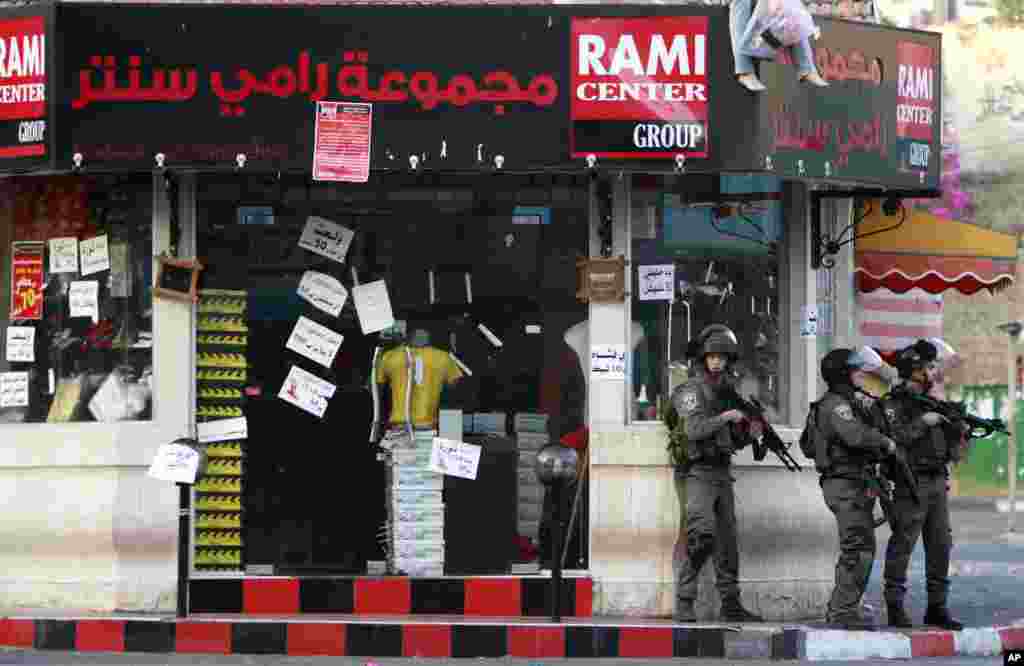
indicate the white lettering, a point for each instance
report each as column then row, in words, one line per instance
column 14, row 59
column 616, row 91
column 32, row 131
column 33, row 55
column 582, row 94
column 665, row 60
column 626, row 56
column 916, row 82
column 917, row 115
column 668, row 136
column 920, row 154
column 23, row 92
column 591, row 49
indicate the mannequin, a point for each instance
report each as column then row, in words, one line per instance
column 578, row 337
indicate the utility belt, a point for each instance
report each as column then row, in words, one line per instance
column 850, row 472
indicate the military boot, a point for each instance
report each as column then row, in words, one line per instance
column 851, row 623
column 898, row 615
column 733, row 611
column 685, row 611
column 938, row 616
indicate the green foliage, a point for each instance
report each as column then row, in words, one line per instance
column 676, row 435
column 1010, row 11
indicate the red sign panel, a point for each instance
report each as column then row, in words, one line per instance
column 342, row 144
column 640, row 87
column 27, row 281
column 916, row 90
column 23, row 87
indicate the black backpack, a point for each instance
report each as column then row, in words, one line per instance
column 807, row 444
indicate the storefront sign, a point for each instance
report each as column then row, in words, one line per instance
column 879, row 121
column 306, row 391
column 656, row 282
column 454, row 458
column 222, row 430
column 341, row 149
column 326, row 238
column 175, row 462
column 84, row 299
column 64, row 255
column 95, row 255
column 315, row 342
column 14, row 389
column 21, row 344
column 23, row 87
column 323, row 292
column 373, row 306
column 26, row 281
column 608, row 361
column 640, row 86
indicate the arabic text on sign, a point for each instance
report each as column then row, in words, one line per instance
column 14, row 389
column 323, row 292
column 306, row 391
column 315, row 342
column 64, row 255
column 95, row 256
column 21, row 344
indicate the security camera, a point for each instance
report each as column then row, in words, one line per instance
column 159, row 158
column 240, row 160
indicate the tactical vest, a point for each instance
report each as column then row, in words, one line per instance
column 714, row 450
column 833, row 458
column 932, row 452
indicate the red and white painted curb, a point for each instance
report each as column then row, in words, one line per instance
column 830, row 644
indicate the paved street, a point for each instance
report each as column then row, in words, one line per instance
column 987, row 570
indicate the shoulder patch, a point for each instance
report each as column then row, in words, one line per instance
column 890, row 413
column 688, row 400
column 844, row 411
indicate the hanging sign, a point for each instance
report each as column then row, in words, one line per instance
column 323, row 292
column 656, row 282
column 222, row 430
column 315, row 342
column 373, row 306
column 326, row 238
column 608, row 361
column 21, row 344
column 175, row 462
column 95, row 255
column 84, row 300
column 306, row 391
column 454, row 458
column 342, row 142
column 14, row 389
column 26, row 281
column 64, row 255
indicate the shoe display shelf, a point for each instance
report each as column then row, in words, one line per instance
column 221, row 374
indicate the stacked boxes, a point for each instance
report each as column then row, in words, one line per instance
column 415, row 531
column 531, row 436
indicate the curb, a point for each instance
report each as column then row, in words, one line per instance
column 404, row 637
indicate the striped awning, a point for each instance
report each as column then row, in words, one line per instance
column 929, row 253
column 890, row 321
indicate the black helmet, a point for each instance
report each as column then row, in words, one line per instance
column 914, row 357
column 714, row 339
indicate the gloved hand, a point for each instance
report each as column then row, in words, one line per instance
column 733, row 416
column 933, row 419
column 756, row 429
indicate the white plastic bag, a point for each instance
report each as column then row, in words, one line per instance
column 778, row 24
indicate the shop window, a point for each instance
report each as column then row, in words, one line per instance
column 700, row 257
column 77, row 271
column 479, row 267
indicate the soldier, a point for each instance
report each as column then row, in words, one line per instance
column 931, row 443
column 710, row 503
column 847, row 441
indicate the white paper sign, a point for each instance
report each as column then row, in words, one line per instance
column 323, row 292
column 14, row 389
column 95, row 257
column 64, row 255
column 222, row 430
column 373, row 306
column 326, row 238
column 315, row 342
column 21, row 344
column 454, row 458
column 84, row 299
column 808, row 321
column 608, row 361
column 175, row 462
column 656, row 282
column 306, row 391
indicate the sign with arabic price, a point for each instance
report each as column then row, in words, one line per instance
column 454, row 458
column 84, row 299
column 14, row 389
column 222, row 430
column 26, row 281
column 175, row 462
column 608, row 361
column 95, row 255
column 315, row 342
column 342, row 142
column 323, row 292
column 656, row 282
column 326, row 238
column 64, row 255
column 306, row 391
column 21, row 344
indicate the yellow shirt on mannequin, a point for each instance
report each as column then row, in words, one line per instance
column 432, row 368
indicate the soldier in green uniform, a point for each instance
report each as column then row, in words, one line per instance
column 847, row 440
column 931, row 444
column 710, row 502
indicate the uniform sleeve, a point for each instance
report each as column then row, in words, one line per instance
column 855, row 434
column 905, row 426
column 693, row 407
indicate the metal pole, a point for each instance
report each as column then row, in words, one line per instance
column 556, row 551
column 184, row 518
column 1011, row 439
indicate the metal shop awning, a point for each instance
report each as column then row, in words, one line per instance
column 932, row 254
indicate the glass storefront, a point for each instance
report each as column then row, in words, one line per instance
column 77, row 256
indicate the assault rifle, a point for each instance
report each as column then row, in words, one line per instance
column 770, row 440
column 956, row 412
